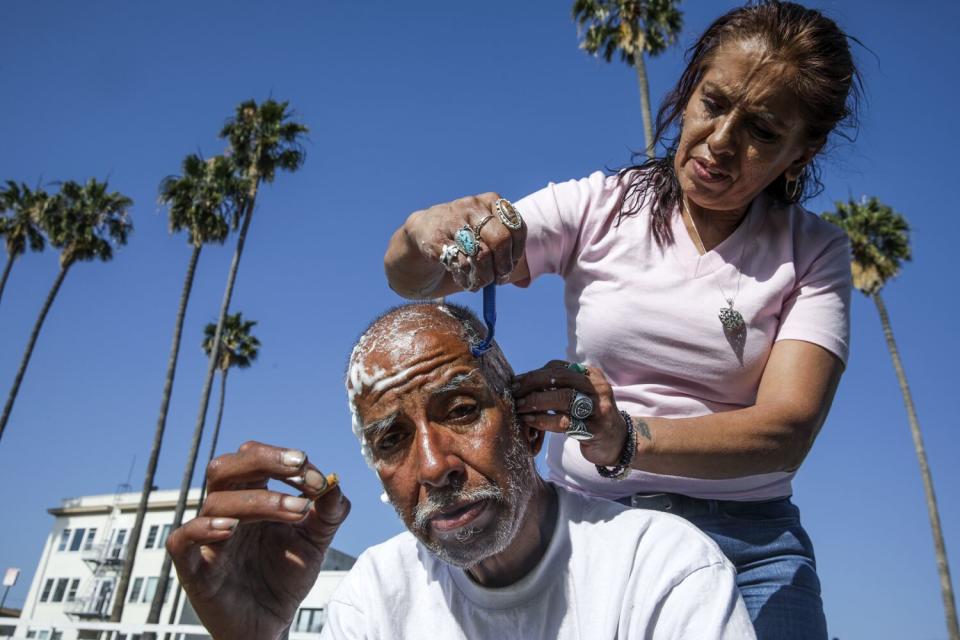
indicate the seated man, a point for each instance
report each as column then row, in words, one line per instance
column 493, row 551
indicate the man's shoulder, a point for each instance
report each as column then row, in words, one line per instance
column 397, row 552
column 654, row 538
column 383, row 573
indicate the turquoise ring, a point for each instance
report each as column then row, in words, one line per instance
column 467, row 241
column 576, row 366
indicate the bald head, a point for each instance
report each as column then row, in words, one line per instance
column 402, row 340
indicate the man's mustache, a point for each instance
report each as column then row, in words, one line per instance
column 440, row 499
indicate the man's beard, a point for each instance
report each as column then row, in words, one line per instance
column 472, row 545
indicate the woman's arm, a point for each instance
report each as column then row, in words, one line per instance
column 775, row 434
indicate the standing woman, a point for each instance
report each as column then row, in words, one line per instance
column 707, row 311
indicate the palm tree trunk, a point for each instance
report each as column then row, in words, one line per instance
column 120, row 596
column 645, row 103
column 203, row 487
column 946, row 586
column 6, row 274
column 216, row 434
column 164, row 578
column 8, row 407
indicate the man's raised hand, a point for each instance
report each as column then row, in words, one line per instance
column 252, row 555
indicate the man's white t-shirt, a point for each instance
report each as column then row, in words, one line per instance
column 608, row 572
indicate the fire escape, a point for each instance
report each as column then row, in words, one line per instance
column 105, row 561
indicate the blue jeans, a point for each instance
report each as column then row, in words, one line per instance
column 773, row 555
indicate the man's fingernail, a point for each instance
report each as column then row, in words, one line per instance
column 294, row 504
column 224, row 524
column 293, row 458
column 314, row 480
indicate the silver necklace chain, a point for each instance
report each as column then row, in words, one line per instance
column 730, row 318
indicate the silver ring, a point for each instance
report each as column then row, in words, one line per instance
column 581, row 407
column 509, row 215
column 448, row 255
column 479, row 227
column 578, row 430
column 467, row 241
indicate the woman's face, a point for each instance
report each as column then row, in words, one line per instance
column 742, row 128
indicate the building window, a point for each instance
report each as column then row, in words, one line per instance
column 135, row 590
column 163, row 536
column 151, row 537
column 150, row 590
column 119, row 538
column 60, row 590
column 77, row 541
column 310, row 620
column 47, row 587
column 64, row 539
column 72, row 593
column 88, row 543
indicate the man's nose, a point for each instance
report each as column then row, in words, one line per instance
column 438, row 464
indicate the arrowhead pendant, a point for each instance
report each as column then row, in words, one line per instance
column 731, row 319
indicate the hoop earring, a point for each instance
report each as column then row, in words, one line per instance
column 792, row 189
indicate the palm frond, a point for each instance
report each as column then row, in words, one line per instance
column 238, row 347
column 631, row 27
column 879, row 241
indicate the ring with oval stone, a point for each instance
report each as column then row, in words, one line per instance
column 467, row 241
column 508, row 214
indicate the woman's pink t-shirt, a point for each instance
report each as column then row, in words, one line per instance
column 648, row 317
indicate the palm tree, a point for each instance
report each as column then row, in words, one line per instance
column 238, row 348
column 263, row 139
column 201, row 203
column 84, row 222
column 21, row 227
column 879, row 239
column 634, row 28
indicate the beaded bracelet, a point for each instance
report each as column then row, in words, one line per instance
column 622, row 469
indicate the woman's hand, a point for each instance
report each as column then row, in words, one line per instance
column 543, row 399
column 252, row 555
column 423, row 261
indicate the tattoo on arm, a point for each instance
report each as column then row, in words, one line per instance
column 642, row 428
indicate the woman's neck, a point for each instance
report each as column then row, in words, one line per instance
column 708, row 228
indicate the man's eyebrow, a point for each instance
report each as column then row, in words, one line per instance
column 456, row 382
column 380, row 425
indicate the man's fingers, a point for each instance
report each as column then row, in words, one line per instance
column 328, row 513
column 252, row 465
column 312, row 482
column 199, row 531
column 253, row 505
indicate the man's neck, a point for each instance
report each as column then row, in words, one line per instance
column 528, row 545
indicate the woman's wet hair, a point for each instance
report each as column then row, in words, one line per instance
column 825, row 80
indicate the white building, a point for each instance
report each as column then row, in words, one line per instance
column 83, row 557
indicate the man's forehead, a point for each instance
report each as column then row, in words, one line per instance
column 379, row 411
column 405, row 356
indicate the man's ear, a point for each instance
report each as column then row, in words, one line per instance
column 535, row 439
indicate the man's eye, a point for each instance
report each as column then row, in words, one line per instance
column 462, row 411
column 389, row 442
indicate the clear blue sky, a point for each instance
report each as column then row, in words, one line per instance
column 411, row 104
